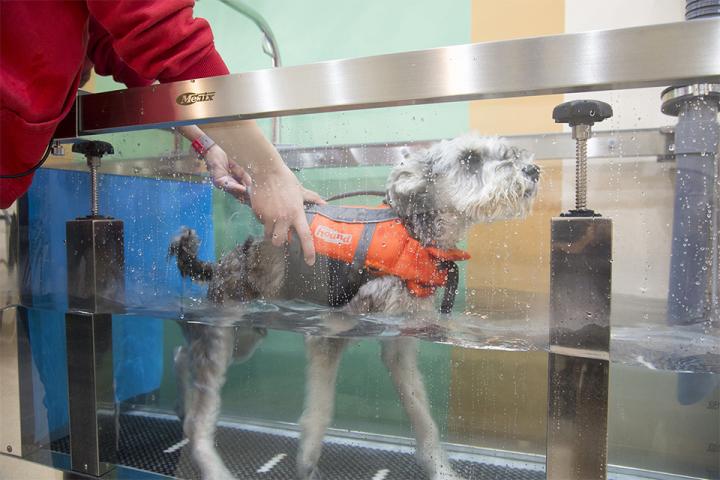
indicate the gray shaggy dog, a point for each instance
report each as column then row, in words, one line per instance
column 437, row 194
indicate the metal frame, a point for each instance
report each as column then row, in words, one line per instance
column 657, row 55
column 17, row 414
column 56, row 466
column 16, row 389
column 619, row 144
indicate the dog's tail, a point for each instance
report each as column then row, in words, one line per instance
column 184, row 247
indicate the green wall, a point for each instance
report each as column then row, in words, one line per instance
column 270, row 385
column 321, row 30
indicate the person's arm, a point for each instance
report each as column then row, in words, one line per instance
column 276, row 195
column 106, row 61
column 159, row 40
column 162, row 40
column 226, row 174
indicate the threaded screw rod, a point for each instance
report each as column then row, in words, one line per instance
column 581, row 174
column 94, row 202
column 581, row 133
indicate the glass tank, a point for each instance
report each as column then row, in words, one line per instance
column 481, row 369
column 505, row 288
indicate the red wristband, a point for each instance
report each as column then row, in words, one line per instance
column 202, row 144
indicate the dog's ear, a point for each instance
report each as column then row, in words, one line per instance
column 409, row 186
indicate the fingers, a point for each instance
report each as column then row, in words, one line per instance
column 303, row 231
column 238, row 191
column 239, row 173
column 231, row 186
column 277, row 232
column 312, row 197
column 280, row 233
column 268, row 226
column 246, row 179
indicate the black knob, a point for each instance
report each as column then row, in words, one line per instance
column 92, row 148
column 582, row 112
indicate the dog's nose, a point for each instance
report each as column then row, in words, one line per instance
column 532, row 171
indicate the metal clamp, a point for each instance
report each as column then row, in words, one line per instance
column 674, row 97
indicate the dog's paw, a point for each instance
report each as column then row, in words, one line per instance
column 207, row 459
column 448, row 474
column 438, row 466
column 307, row 468
column 212, row 470
column 218, row 474
column 186, row 241
column 444, row 471
column 310, row 472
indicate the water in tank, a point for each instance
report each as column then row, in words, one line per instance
column 475, row 379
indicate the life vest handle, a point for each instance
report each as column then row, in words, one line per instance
column 357, row 193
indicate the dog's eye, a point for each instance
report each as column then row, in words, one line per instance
column 470, row 159
column 504, row 164
column 512, row 153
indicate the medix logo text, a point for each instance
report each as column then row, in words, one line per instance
column 331, row 236
column 190, row 98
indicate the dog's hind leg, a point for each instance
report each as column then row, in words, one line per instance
column 323, row 357
column 210, row 354
column 182, row 379
column 400, row 357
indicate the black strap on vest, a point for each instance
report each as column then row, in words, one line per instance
column 453, row 279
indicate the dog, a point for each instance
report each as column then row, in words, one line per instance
column 435, row 195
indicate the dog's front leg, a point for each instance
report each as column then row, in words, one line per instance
column 210, row 354
column 323, row 357
column 400, row 358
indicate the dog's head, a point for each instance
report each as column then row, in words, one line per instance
column 460, row 182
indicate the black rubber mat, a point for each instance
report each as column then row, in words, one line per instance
column 151, row 443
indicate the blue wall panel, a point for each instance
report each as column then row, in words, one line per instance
column 152, row 212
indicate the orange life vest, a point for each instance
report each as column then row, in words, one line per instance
column 375, row 239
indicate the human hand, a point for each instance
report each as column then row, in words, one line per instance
column 275, row 194
column 227, row 175
column 277, row 199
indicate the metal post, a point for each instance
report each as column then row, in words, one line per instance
column 580, row 285
column 91, row 394
column 14, row 262
column 96, row 290
column 578, row 364
column 16, row 391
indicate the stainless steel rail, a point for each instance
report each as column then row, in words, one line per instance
column 656, row 55
column 546, row 146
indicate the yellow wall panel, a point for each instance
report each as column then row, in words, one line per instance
column 494, row 20
column 499, row 399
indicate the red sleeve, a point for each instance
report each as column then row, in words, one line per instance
column 159, row 39
column 107, row 62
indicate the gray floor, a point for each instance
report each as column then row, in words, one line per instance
column 155, row 444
